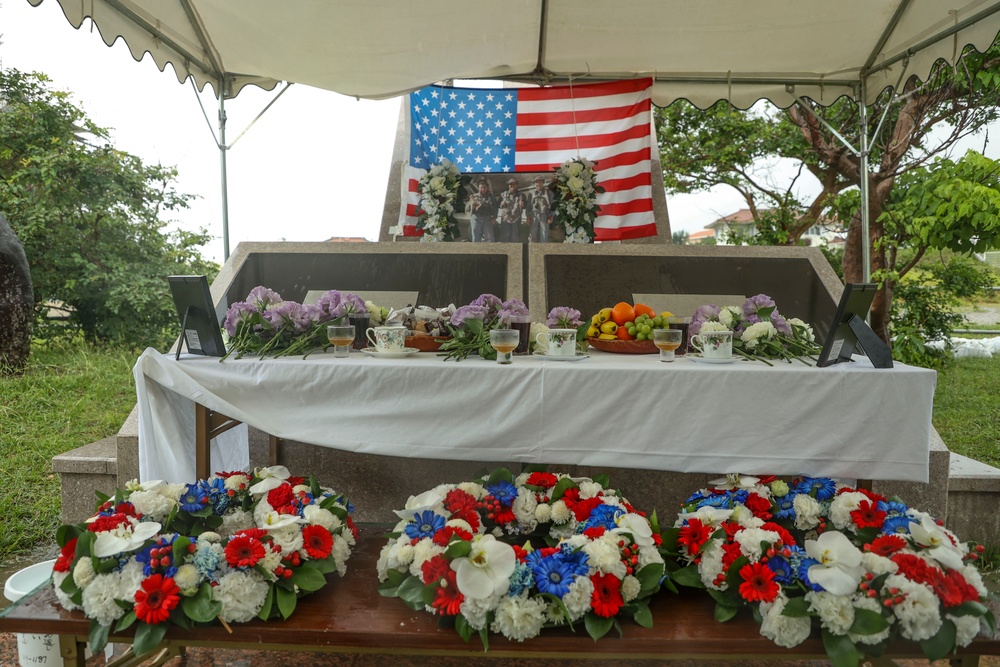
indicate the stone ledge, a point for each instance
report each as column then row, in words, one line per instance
column 971, row 475
column 97, row 458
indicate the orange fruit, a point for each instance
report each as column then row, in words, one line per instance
column 643, row 309
column 622, row 313
column 622, row 334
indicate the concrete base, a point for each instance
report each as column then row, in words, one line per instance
column 974, row 500
column 933, row 497
column 82, row 472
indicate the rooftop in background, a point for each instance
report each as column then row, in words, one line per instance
column 347, row 239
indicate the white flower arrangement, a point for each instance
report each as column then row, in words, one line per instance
column 438, row 199
column 576, row 199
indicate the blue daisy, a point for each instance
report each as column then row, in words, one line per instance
column 554, row 574
column 603, row 516
column 822, row 488
column 785, row 506
column 424, row 525
column 194, row 498
column 504, row 492
column 896, row 525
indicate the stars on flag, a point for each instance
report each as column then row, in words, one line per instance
column 475, row 129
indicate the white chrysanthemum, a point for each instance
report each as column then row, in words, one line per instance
column 974, row 579
column 877, row 565
column 241, row 595
column 807, row 511
column 404, row 554
column 288, row 538
column 649, row 555
column 99, row 599
column 209, row 536
column 576, row 541
column 543, row 513
column 749, row 540
column 864, row 602
column 519, row 618
column 152, row 504
column 57, row 579
column 234, row 522
column 187, row 579
column 130, row 578
column 423, row 551
column 477, row 491
column 341, row 552
column 835, row 612
column 589, row 489
column 713, row 326
column 785, row 631
column 83, row 572
column 578, row 598
column 918, row 613
column 475, row 611
column 560, row 512
column 236, row 482
column 967, row 627
column 711, row 565
column 317, row 516
column 604, row 556
column 630, row 588
column 524, row 510
column 842, row 506
column 270, row 563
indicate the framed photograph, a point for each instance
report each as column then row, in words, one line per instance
column 200, row 330
column 850, row 332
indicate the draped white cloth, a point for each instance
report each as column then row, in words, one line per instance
column 848, row 421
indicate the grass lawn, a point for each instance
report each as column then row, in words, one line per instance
column 70, row 396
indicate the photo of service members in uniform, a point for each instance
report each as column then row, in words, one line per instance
column 521, row 213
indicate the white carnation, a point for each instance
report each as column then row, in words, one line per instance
column 130, row 578
column 630, row 588
column 236, row 482
column 578, row 598
column 713, row 326
column 842, row 506
column 288, row 538
column 477, row 491
column 649, row 555
column 524, row 510
column 241, row 595
column 807, row 511
column 235, row 522
column 749, row 540
column 99, row 599
column 341, row 552
column 57, row 579
column 423, row 551
column 604, row 556
column 877, row 565
column 967, row 627
column 589, row 489
column 317, row 516
column 974, row 579
column 519, row 618
column 757, row 332
column 83, row 572
column 560, row 512
column 871, row 604
column 475, row 610
column 918, row 613
column 785, row 631
column 152, row 504
column 835, row 612
column 209, row 536
column 711, row 565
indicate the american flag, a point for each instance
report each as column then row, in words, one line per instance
column 491, row 131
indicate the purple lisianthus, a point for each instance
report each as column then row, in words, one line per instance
column 707, row 313
column 289, row 314
column 510, row 308
column 490, row 302
column 331, row 304
column 237, row 313
column 263, row 297
column 563, row 317
column 780, row 323
column 470, row 312
column 354, row 304
column 755, row 303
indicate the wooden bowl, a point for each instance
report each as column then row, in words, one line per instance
column 426, row 343
column 624, row 346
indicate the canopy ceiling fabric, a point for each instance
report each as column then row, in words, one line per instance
column 702, row 51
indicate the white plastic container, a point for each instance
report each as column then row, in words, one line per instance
column 32, row 650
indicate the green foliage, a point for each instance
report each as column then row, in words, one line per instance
column 89, row 217
column 679, row 237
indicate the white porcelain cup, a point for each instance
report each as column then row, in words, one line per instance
column 387, row 339
column 714, row 344
column 558, row 342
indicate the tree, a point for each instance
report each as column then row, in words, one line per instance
column 679, row 237
column 89, row 216
column 700, row 149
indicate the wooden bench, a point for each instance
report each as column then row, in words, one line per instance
column 349, row 616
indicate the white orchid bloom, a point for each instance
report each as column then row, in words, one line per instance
column 432, row 500
column 939, row 546
column 487, row 569
column 275, row 521
column 124, row 538
column 709, row 516
column 271, row 478
column 734, row 480
column 839, row 570
column 637, row 527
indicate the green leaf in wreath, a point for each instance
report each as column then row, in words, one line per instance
column 841, row 650
column 868, row 622
column 668, row 544
column 430, row 590
column 602, row 479
column 458, row 550
column 463, row 628
column 643, row 616
column 200, row 607
column 125, row 622
column 67, row 532
column 733, row 577
column 265, row 610
column 98, row 637
column 561, row 487
column 597, row 626
column 688, row 576
column 725, row 612
column 308, row 578
column 411, row 592
column 325, row 565
column 147, row 637
column 500, row 475
column 649, row 578
column 991, row 621
column 969, row 608
column 796, row 608
column 941, row 644
column 286, row 601
column 726, row 599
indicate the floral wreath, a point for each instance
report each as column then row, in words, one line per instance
column 438, row 194
column 517, row 554
column 862, row 568
column 576, row 203
column 233, row 547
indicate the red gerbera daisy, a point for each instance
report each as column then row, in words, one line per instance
column 66, row 554
column 694, row 535
column 607, row 597
column 435, row 569
column 874, row 497
column 886, row 545
column 868, row 515
column 759, row 506
column 155, row 598
column 447, row 598
column 545, row 480
column 952, row 588
column 758, row 583
column 504, row 516
column 255, row 533
column 317, row 541
column 442, row 538
column 244, row 551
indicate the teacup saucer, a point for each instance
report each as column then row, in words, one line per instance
column 554, row 357
column 702, row 360
column 405, row 352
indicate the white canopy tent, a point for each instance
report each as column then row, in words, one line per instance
column 701, row 51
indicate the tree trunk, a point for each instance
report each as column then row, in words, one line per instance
column 17, row 302
column 853, row 260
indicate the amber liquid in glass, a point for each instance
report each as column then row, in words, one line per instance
column 342, row 342
column 666, row 346
column 500, row 347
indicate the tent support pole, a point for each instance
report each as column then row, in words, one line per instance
column 866, row 251
column 222, row 166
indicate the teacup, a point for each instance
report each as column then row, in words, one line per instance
column 558, row 342
column 714, row 344
column 387, row 339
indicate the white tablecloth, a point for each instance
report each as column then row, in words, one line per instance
column 632, row 411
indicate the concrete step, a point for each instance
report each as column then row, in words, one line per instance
column 83, row 471
column 973, row 500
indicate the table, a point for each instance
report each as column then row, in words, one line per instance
column 848, row 420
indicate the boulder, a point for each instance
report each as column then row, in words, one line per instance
column 17, row 302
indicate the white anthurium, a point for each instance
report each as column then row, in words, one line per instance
column 937, row 543
column 124, row 538
column 271, row 478
column 709, row 516
column 637, row 527
column 839, row 570
column 432, row 501
column 486, row 571
column 274, row 521
column 734, row 480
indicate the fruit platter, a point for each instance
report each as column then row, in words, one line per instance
column 626, row 329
